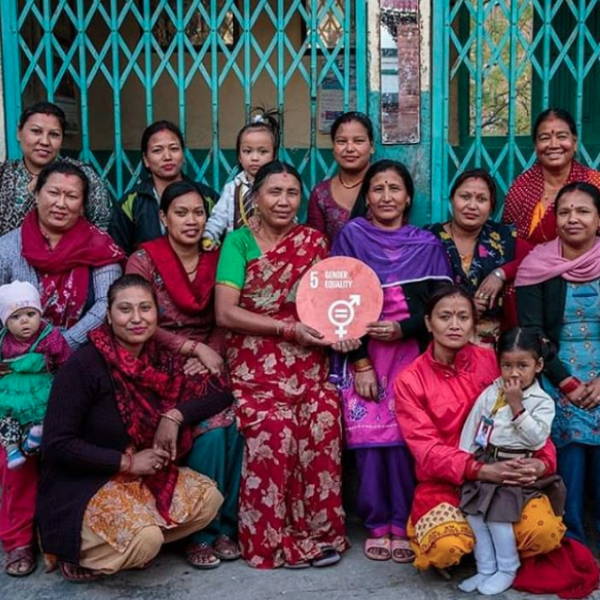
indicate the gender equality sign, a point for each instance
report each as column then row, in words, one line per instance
column 338, row 297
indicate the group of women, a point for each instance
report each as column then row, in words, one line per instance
column 197, row 405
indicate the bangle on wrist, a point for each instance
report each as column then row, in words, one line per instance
column 570, row 385
column 499, row 273
column 361, row 365
column 128, row 463
column 194, row 346
column 172, row 418
column 289, row 331
column 515, row 417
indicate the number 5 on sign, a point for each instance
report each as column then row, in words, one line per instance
column 314, row 280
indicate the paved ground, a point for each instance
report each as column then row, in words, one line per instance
column 169, row 577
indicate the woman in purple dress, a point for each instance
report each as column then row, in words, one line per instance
column 332, row 200
column 409, row 262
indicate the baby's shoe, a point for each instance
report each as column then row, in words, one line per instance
column 14, row 457
column 33, row 440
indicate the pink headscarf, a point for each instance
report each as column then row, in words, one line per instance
column 546, row 261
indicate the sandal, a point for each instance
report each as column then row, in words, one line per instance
column 76, row 574
column 401, row 552
column 327, row 558
column 300, row 565
column 201, row 556
column 377, row 548
column 226, row 549
column 20, row 562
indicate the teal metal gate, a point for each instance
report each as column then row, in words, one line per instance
column 117, row 65
column 496, row 64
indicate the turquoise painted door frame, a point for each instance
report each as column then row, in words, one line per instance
column 205, row 45
column 495, row 65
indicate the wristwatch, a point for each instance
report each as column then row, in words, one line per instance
column 499, row 274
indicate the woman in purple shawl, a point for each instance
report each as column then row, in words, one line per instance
column 408, row 261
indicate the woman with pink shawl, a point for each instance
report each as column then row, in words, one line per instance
column 558, row 292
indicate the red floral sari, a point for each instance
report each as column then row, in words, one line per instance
column 290, row 497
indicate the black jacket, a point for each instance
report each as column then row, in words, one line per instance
column 542, row 306
column 135, row 220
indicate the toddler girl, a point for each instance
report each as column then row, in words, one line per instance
column 510, row 420
column 256, row 145
column 29, row 350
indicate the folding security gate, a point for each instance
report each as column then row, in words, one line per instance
column 117, row 65
column 496, row 65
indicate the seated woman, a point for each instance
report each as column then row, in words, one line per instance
column 484, row 255
column 183, row 279
column 290, row 497
column 72, row 264
column 135, row 219
column 331, row 201
column 119, row 417
column 558, row 293
column 530, row 200
column 408, row 262
column 41, row 132
column 434, row 396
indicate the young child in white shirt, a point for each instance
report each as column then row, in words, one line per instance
column 256, row 145
column 511, row 419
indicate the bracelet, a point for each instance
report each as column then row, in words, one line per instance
column 172, row 418
column 129, row 464
column 362, row 364
column 289, row 332
column 363, row 369
column 278, row 328
column 515, row 417
column 196, row 344
column 499, row 274
column 570, row 386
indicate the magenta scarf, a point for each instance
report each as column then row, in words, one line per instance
column 546, row 261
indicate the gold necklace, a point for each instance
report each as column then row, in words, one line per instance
column 349, row 187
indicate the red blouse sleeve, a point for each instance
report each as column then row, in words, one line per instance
column 522, row 249
column 435, row 459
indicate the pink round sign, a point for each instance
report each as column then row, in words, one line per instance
column 338, row 297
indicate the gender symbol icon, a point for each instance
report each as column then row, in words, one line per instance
column 341, row 314
column 338, row 297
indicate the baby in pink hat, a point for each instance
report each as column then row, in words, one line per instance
column 30, row 351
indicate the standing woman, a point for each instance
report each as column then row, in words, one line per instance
column 290, row 499
column 558, row 293
column 484, row 255
column 530, row 200
column 41, row 134
column 408, row 262
column 135, row 219
column 182, row 276
column 332, row 200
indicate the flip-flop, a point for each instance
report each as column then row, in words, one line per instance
column 20, row 556
column 327, row 558
column 401, row 551
column 382, row 544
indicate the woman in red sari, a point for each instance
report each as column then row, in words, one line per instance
column 529, row 203
column 290, row 499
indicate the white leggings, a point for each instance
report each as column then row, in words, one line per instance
column 495, row 546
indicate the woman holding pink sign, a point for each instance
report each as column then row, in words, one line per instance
column 288, row 413
column 408, row 261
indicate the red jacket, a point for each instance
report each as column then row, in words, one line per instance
column 432, row 403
